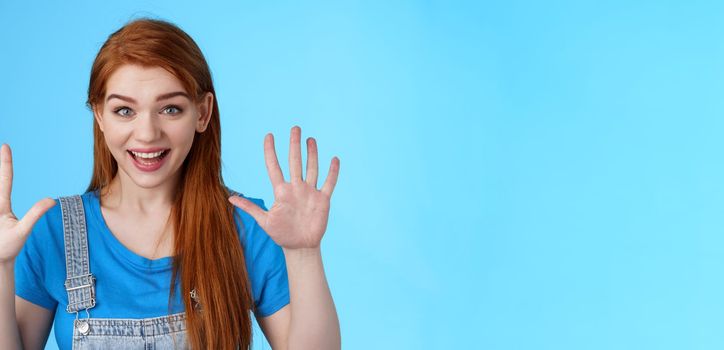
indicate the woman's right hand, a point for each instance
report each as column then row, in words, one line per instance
column 14, row 232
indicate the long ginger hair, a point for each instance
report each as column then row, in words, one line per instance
column 208, row 255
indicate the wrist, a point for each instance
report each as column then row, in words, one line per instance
column 301, row 252
column 7, row 273
column 302, row 256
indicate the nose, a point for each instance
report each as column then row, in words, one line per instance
column 147, row 128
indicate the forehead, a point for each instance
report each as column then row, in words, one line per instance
column 142, row 83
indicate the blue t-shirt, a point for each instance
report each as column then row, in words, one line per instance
column 127, row 284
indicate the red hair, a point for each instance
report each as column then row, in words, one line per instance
column 207, row 254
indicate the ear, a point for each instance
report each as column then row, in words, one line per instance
column 205, row 108
column 98, row 117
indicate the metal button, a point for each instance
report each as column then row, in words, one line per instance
column 83, row 327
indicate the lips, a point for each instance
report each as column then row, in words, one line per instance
column 154, row 162
column 147, row 150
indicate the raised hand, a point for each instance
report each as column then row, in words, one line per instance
column 14, row 232
column 298, row 217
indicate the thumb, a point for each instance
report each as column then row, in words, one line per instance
column 250, row 207
column 33, row 215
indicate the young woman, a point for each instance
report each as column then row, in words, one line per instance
column 153, row 255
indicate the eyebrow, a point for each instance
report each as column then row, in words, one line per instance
column 160, row 98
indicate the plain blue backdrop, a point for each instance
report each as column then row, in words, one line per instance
column 514, row 174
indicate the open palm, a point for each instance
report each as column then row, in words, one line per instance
column 298, row 218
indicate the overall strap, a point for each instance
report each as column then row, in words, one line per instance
column 80, row 283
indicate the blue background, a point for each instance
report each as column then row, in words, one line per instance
column 514, row 174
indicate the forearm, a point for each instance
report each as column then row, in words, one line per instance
column 314, row 322
column 9, row 333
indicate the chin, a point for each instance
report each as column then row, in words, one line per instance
column 149, row 180
column 148, row 183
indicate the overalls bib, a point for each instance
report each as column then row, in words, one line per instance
column 166, row 332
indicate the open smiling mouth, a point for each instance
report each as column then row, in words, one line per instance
column 146, row 160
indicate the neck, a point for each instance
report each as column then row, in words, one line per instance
column 125, row 195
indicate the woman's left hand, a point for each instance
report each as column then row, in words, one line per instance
column 298, row 217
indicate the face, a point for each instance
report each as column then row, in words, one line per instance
column 149, row 123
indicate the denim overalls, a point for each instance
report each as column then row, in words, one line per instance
column 166, row 332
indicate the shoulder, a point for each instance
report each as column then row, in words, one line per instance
column 39, row 267
column 49, row 228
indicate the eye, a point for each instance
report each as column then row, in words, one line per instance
column 172, row 110
column 123, row 111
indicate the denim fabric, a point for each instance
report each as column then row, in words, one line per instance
column 165, row 332
column 79, row 284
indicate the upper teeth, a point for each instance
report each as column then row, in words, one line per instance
column 147, row 155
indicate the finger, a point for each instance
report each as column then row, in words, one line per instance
column 312, row 162
column 31, row 217
column 272, row 163
column 295, row 155
column 6, row 178
column 250, row 207
column 331, row 181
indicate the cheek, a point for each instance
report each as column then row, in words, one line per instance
column 182, row 133
column 113, row 138
column 116, row 137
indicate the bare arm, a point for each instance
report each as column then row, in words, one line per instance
column 314, row 323
column 310, row 320
column 276, row 327
column 23, row 325
column 34, row 323
column 9, row 333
